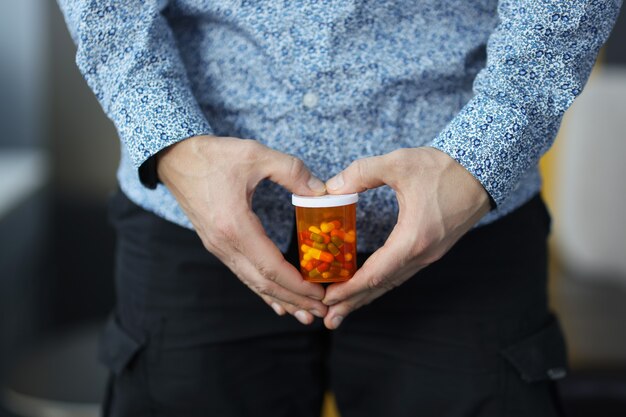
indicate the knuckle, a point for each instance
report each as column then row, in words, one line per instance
column 208, row 244
column 374, row 283
column 359, row 167
column 265, row 289
column 226, row 230
column 249, row 150
column 267, row 273
column 205, row 238
column 296, row 167
column 396, row 162
column 298, row 303
column 397, row 156
column 251, row 144
column 381, row 282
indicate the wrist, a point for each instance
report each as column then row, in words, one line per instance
column 180, row 155
column 471, row 186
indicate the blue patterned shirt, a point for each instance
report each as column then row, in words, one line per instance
column 331, row 81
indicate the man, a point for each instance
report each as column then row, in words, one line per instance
column 437, row 111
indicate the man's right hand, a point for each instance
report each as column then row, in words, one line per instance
column 213, row 179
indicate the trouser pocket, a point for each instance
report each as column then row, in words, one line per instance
column 531, row 366
column 117, row 347
column 123, row 355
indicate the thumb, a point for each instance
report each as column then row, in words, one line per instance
column 290, row 172
column 360, row 175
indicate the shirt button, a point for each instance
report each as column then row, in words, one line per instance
column 310, row 100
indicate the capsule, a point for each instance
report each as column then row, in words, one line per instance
column 333, row 249
column 350, row 236
column 344, row 273
column 321, row 255
column 319, row 246
column 314, row 273
column 326, row 275
column 326, row 227
column 338, row 233
column 336, row 241
column 314, row 229
column 323, row 267
column 348, row 256
column 317, row 237
column 307, row 257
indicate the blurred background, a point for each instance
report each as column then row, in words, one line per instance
column 58, row 155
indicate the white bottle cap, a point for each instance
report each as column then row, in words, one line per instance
column 328, row 200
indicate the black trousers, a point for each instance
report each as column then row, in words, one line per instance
column 471, row 335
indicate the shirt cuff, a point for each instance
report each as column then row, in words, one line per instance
column 496, row 142
column 153, row 117
column 148, row 173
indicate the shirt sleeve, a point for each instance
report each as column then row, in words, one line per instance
column 129, row 57
column 538, row 60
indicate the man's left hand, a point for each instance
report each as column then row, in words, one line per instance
column 439, row 201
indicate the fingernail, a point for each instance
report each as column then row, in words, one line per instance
column 278, row 309
column 316, row 185
column 336, row 321
column 302, row 316
column 316, row 313
column 335, row 182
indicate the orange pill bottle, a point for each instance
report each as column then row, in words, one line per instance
column 326, row 236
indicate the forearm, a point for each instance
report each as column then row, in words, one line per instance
column 128, row 55
column 538, row 60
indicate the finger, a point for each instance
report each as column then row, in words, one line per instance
column 360, row 175
column 358, row 284
column 341, row 309
column 281, row 308
column 303, row 316
column 276, row 297
column 290, row 301
column 270, row 262
column 242, row 244
column 290, row 172
column 387, row 268
column 274, row 304
column 338, row 312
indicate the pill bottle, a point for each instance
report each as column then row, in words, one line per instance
column 326, row 228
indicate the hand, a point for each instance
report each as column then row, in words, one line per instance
column 438, row 200
column 213, row 179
